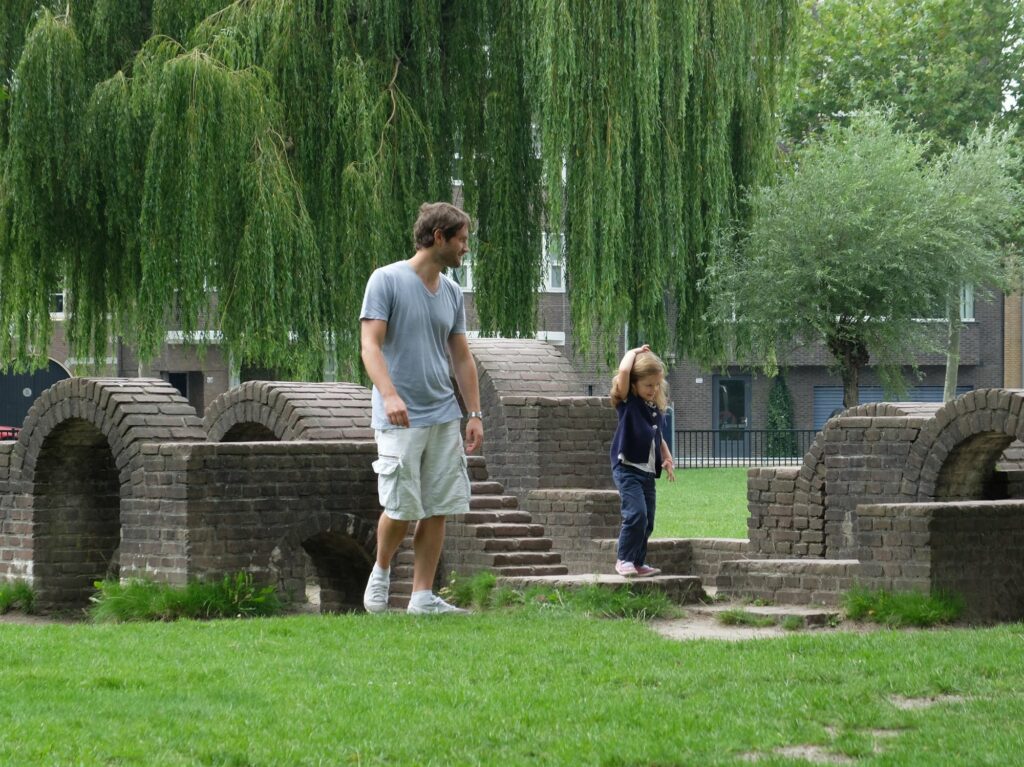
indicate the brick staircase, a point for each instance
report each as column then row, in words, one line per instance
column 494, row 535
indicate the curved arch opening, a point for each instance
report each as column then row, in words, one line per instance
column 969, row 471
column 77, row 501
column 327, row 571
column 249, row 432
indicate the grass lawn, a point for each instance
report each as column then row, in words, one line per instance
column 518, row 688
column 702, row 503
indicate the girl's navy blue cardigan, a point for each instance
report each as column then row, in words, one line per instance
column 639, row 425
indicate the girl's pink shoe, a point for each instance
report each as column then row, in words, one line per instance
column 645, row 571
column 625, row 569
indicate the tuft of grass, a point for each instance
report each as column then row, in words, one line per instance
column 739, row 617
column 482, row 592
column 16, row 595
column 899, row 609
column 235, row 596
column 792, row 623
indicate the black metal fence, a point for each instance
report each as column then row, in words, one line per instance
column 712, row 448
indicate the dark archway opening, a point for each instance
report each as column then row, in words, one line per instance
column 327, row 572
column 77, row 529
column 970, row 472
column 249, row 432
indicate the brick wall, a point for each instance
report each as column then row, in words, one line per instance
column 208, row 509
column 972, row 548
column 578, row 521
column 550, row 442
column 864, row 462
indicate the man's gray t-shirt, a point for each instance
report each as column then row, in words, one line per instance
column 416, row 342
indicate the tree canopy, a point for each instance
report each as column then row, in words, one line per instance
column 860, row 241
column 241, row 167
column 943, row 66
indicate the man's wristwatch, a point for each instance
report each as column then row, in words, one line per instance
column 476, row 414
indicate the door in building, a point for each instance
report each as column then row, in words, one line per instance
column 731, row 416
column 19, row 390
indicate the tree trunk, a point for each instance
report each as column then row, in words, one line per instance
column 952, row 348
column 852, row 355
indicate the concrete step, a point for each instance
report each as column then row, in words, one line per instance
column 502, row 530
column 496, row 516
column 681, row 589
column 809, row 616
column 517, row 544
column 493, row 502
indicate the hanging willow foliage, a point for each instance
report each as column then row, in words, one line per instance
column 244, row 168
column 42, row 212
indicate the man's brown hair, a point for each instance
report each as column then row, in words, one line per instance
column 437, row 215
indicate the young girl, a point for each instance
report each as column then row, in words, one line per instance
column 639, row 453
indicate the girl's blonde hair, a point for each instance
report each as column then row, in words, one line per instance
column 649, row 364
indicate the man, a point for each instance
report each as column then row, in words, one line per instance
column 413, row 316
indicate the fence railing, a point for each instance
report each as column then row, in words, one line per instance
column 710, row 448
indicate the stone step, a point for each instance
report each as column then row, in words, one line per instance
column 809, row 616
column 538, row 571
column 503, row 530
column 477, row 468
column 681, row 589
column 493, row 502
column 496, row 516
column 487, row 487
column 516, row 558
column 788, row 581
column 518, row 544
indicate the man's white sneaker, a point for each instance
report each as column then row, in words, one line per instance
column 433, row 605
column 375, row 598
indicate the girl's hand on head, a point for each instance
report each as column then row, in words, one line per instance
column 641, row 349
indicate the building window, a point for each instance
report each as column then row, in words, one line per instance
column 939, row 314
column 967, row 303
column 57, row 305
column 463, row 275
column 553, row 244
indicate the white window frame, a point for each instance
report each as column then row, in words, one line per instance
column 464, row 274
column 62, row 298
column 553, row 261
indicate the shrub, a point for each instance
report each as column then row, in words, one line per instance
column 906, row 608
column 16, row 595
column 781, row 442
column 234, row 596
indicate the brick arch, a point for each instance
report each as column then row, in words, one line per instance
column 540, row 431
column 522, row 367
column 128, row 412
column 810, row 501
column 287, row 411
column 77, row 459
column 955, row 455
column 339, row 549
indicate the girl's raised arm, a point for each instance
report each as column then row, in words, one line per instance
column 620, row 384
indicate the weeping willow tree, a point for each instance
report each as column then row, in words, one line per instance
column 239, row 168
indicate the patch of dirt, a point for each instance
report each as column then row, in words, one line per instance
column 812, row 754
column 19, row 618
column 700, row 626
column 912, row 704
